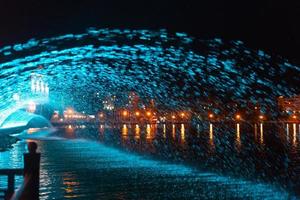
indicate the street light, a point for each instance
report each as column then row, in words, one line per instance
column 261, row 117
column 148, row 113
column 70, row 111
column 125, row 113
column 182, row 114
column 237, row 116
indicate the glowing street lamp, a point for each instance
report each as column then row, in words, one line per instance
column 211, row 116
column 148, row 113
column 261, row 117
column 182, row 115
column 137, row 113
column 238, row 117
column 101, row 115
column 173, row 117
column 125, row 113
column 69, row 111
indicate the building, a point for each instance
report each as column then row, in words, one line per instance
column 109, row 103
column 289, row 105
column 39, row 85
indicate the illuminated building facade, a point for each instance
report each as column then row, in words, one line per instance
column 289, row 105
column 109, row 103
column 39, row 86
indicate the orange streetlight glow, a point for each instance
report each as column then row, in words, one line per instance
column 137, row 113
column 70, row 111
column 148, row 113
column 173, row 117
column 294, row 117
column 261, row 117
column 211, row 115
column 125, row 113
column 101, row 115
column 182, row 114
column 238, row 117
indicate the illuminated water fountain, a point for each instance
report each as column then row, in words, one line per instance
column 174, row 69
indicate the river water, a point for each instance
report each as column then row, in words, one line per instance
column 173, row 161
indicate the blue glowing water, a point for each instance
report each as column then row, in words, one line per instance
column 22, row 118
column 174, row 69
column 158, row 161
column 90, row 170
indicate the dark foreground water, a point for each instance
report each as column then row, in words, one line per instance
column 175, row 161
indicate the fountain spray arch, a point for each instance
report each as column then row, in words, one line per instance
column 21, row 101
column 175, row 69
column 21, row 118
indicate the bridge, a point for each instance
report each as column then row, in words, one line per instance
column 17, row 108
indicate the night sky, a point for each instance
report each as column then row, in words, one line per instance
column 273, row 26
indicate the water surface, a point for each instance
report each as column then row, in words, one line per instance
column 236, row 161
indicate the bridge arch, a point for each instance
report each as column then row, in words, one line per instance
column 21, row 118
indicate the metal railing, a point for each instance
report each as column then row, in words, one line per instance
column 29, row 189
column 11, row 174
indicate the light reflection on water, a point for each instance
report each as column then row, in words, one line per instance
column 12, row 159
column 71, row 184
column 125, row 131
column 261, row 129
column 137, row 132
column 70, row 131
column 294, row 135
column 83, row 169
column 238, row 137
column 182, row 133
column 164, row 130
column 161, row 57
column 211, row 137
column 149, row 132
column 173, row 131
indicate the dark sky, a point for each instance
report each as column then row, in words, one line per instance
column 265, row 24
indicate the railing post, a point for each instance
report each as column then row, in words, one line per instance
column 10, row 184
column 31, row 173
